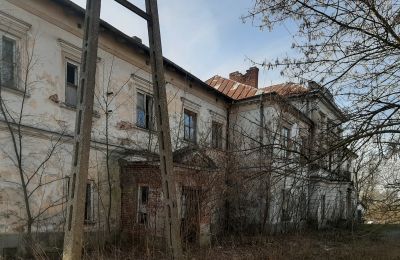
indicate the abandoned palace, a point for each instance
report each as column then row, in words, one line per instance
column 246, row 157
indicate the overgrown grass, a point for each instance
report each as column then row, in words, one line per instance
column 371, row 242
column 364, row 242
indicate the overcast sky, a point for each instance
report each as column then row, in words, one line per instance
column 205, row 37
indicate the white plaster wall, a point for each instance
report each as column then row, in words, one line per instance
column 115, row 66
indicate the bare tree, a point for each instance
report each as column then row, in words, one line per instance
column 31, row 167
column 352, row 48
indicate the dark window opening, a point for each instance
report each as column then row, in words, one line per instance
column 7, row 75
column 322, row 207
column 143, row 200
column 89, row 202
column 285, row 142
column 190, row 124
column 144, row 111
column 216, row 135
column 142, row 218
column 285, row 205
column 71, row 88
column 144, row 195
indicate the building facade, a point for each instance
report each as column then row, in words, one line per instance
column 244, row 157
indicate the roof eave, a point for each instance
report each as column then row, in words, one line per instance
column 146, row 50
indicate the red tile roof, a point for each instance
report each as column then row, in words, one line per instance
column 239, row 91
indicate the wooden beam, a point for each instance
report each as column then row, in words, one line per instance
column 83, row 127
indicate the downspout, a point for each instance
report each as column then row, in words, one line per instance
column 227, row 206
column 261, row 129
column 265, row 214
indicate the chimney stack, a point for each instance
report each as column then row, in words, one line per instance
column 250, row 78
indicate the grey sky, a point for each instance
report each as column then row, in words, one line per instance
column 206, row 37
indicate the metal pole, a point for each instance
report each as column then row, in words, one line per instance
column 164, row 137
column 83, row 126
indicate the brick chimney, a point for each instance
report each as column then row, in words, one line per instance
column 250, row 78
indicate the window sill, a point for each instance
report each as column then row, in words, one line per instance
column 129, row 126
column 219, row 149
column 144, row 129
column 15, row 91
column 69, row 107
column 189, row 142
column 96, row 114
column 89, row 222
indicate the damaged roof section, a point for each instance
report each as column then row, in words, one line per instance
column 238, row 91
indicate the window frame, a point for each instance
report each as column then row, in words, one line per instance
column 303, row 150
column 303, row 201
column 142, row 214
column 89, row 218
column 323, row 206
column 148, row 115
column 69, row 85
column 286, row 197
column 217, row 138
column 16, row 60
column 191, row 126
column 285, row 141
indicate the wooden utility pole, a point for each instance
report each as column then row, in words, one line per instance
column 83, row 128
column 164, row 136
column 172, row 230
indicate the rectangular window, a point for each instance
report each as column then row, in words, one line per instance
column 322, row 207
column 144, row 111
column 71, row 88
column 303, row 206
column 89, row 209
column 285, row 142
column 143, row 201
column 285, row 205
column 303, row 150
column 330, row 161
column 341, row 205
column 8, row 62
column 216, row 135
column 190, row 124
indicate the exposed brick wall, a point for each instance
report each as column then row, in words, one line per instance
column 250, row 78
column 135, row 174
column 131, row 177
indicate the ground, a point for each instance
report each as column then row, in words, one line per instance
column 364, row 242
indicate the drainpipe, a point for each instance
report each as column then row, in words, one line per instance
column 263, row 167
column 227, row 206
column 261, row 128
column 228, row 112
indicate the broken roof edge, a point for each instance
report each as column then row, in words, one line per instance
column 264, row 91
column 81, row 11
column 278, row 99
column 317, row 92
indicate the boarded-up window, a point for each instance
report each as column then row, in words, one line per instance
column 71, row 87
